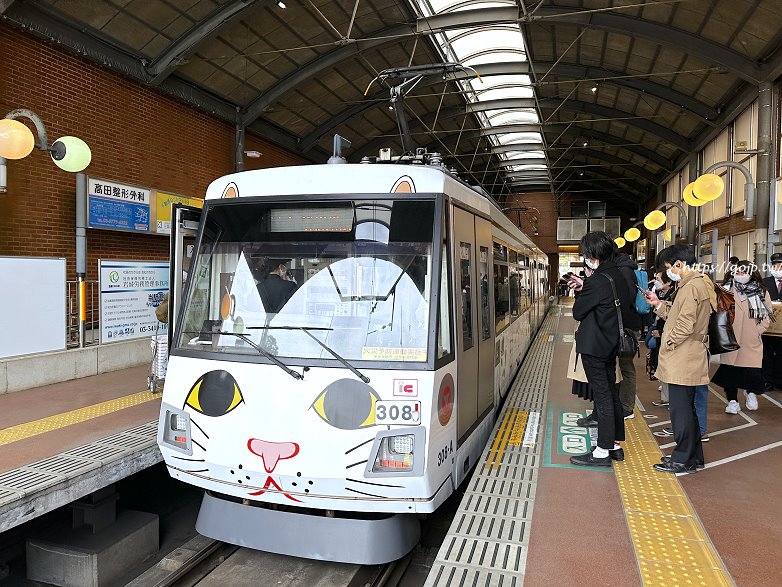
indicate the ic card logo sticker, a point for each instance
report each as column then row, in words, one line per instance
column 445, row 400
column 405, row 387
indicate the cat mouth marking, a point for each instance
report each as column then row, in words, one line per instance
column 268, row 485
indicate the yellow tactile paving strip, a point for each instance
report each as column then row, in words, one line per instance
column 670, row 543
column 511, row 431
column 29, row 429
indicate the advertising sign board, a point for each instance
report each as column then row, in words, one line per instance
column 163, row 203
column 117, row 206
column 130, row 291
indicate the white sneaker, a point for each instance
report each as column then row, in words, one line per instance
column 751, row 400
column 733, row 407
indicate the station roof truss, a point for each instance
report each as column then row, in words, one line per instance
column 604, row 96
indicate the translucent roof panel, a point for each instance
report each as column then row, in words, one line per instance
column 526, row 168
column 490, row 44
column 520, row 116
column 471, row 43
column 505, row 92
column 490, row 81
column 520, row 137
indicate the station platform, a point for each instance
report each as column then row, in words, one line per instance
column 61, row 442
column 530, row 517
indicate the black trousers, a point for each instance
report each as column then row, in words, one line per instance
column 601, row 375
column 684, row 419
column 772, row 360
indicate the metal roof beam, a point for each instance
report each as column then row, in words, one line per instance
column 636, row 170
column 502, row 104
column 663, row 132
column 509, row 128
column 318, row 65
column 203, row 31
column 522, row 147
column 620, row 143
column 615, row 23
column 643, row 85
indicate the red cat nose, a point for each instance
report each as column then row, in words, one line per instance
column 272, row 452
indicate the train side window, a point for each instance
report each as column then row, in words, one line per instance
column 465, row 275
column 483, row 282
column 444, row 319
column 501, row 296
column 515, row 291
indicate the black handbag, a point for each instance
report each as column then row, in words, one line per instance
column 722, row 339
column 628, row 345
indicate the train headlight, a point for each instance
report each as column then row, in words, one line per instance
column 174, row 429
column 395, row 454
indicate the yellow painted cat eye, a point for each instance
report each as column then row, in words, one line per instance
column 214, row 394
column 347, row 404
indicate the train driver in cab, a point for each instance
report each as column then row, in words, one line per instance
column 277, row 287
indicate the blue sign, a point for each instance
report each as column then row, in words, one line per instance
column 118, row 214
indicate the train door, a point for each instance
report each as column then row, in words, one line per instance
column 184, row 226
column 467, row 336
column 485, row 299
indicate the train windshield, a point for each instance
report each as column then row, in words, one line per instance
column 300, row 280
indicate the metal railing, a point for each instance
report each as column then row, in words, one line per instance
column 92, row 327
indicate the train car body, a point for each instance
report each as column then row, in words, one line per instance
column 323, row 406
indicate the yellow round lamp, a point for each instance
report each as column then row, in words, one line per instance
column 620, row 242
column 632, row 234
column 16, row 140
column 655, row 219
column 71, row 154
column 689, row 196
column 668, row 235
column 708, row 187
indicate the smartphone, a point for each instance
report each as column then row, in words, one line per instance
column 644, row 292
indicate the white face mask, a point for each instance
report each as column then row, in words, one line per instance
column 658, row 285
column 742, row 278
column 592, row 263
column 777, row 273
column 673, row 276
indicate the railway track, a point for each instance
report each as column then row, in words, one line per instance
column 206, row 562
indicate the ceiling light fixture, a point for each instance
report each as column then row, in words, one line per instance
column 593, row 89
column 281, row 4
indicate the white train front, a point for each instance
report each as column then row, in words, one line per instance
column 346, row 336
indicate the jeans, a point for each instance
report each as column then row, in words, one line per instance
column 702, row 406
column 627, row 385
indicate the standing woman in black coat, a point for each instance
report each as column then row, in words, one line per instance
column 597, row 340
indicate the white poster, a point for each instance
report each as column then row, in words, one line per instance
column 33, row 294
column 130, row 291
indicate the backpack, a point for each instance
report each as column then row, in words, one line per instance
column 641, row 305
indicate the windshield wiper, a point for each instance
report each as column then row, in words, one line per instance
column 260, row 350
column 331, row 351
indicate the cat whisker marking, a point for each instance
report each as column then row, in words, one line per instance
column 356, row 464
column 376, row 484
column 359, row 446
column 201, row 429
column 194, row 470
column 193, row 460
column 198, row 445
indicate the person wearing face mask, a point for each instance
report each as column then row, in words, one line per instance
column 683, row 359
column 597, row 339
column 742, row 369
column 772, row 345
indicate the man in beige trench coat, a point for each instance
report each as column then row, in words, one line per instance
column 683, row 360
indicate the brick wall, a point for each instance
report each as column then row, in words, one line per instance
column 136, row 135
